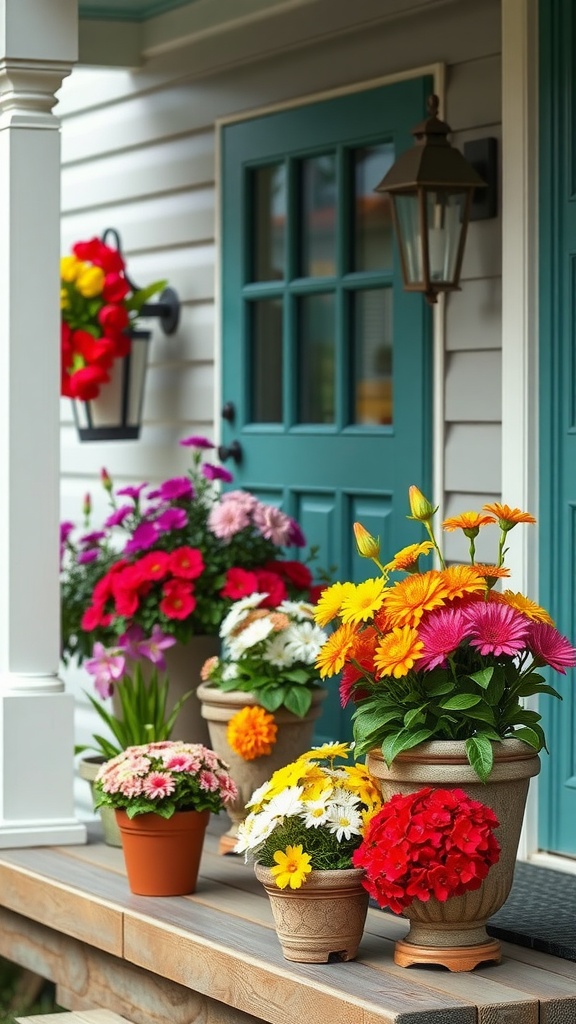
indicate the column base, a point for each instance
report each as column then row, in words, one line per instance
column 37, row 833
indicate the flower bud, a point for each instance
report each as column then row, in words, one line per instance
column 106, row 480
column 90, row 282
column 420, row 507
column 368, row 546
column 87, row 505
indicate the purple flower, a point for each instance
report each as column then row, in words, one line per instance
column 196, row 442
column 65, row 531
column 132, row 492
column 153, row 648
column 130, row 642
column 295, row 535
column 175, row 488
column 117, row 517
column 107, row 667
column 89, row 555
column 91, row 538
column 216, row 473
column 144, row 537
column 171, row 519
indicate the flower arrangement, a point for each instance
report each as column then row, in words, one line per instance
column 162, row 778
column 143, row 701
column 98, row 304
column 441, row 654
column 269, row 652
column 434, row 843
column 311, row 815
column 175, row 557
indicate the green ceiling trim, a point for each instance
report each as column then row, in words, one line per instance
column 127, row 10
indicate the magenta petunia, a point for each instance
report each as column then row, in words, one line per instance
column 549, row 646
column 65, row 531
column 171, row 519
column 296, row 536
column 196, row 441
column 89, row 539
column 178, row 487
column 131, row 492
column 441, row 633
column 87, row 556
column 216, row 473
column 144, row 537
column 117, row 517
column 495, row 628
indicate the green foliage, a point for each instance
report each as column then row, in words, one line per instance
column 326, row 851
column 145, row 718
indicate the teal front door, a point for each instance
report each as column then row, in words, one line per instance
column 326, row 362
column 557, row 407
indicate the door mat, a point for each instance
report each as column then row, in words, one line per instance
column 540, row 912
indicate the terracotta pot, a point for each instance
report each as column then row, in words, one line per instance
column 162, row 855
column 454, row 933
column 88, row 769
column 293, row 738
column 322, row 920
column 183, row 664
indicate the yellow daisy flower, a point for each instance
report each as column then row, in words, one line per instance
column 333, row 653
column 398, row 651
column 407, row 600
column 330, row 602
column 284, row 778
column 251, row 733
column 526, row 606
column 291, row 868
column 406, row 560
column 327, row 750
column 361, row 601
column 361, row 782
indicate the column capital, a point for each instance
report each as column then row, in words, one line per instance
column 28, row 92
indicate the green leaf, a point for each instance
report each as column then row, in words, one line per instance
column 480, row 755
column 298, row 700
column 483, row 676
column 414, row 715
column 529, row 736
column 460, row 702
column 403, row 740
column 481, row 713
column 527, row 689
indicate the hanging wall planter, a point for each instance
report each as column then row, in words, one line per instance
column 104, row 351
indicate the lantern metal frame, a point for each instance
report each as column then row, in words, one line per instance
column 431, row 167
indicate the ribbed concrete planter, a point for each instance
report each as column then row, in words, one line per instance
column 293, row 738
column 322, row 920
column 454, row 933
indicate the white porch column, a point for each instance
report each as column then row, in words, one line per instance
column 38, row 45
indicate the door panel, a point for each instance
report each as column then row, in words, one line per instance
column 326, row 360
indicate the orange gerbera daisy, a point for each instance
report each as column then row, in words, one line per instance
column 251, row 733
column 462, row 579
column 361, row 601
column 406, row 602
column 335, row 651
column 508, row 517
column 398, row 651
column 470, row 522
column 407, row 559
column 526, row 606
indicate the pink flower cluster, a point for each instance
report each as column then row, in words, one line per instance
column 163, row 777
column 240, row 509
column 434, row 843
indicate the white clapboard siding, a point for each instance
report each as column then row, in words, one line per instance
column 139, row 155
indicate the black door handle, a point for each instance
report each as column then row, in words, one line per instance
column 232, row 451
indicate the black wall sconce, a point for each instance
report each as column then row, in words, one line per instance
column 433, row 189
column 116, row 414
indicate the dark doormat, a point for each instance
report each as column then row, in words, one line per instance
column 540, row 912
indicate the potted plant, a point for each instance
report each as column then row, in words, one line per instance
column 143, row 702
column 262, row 696
column 438, row 664
column 162, row 795
column 175, row 556
column 304, row 826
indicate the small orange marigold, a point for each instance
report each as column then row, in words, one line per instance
column 251, row 733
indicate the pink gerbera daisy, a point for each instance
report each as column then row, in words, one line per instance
column 549, row 646
column 227, row 519
column 495, row 628
column 441, row 632
column 158, row 785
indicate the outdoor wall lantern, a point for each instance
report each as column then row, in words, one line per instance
column 116, row 413
column 431, row 187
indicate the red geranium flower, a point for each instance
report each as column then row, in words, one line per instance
column 178, row 601
column 239, row 583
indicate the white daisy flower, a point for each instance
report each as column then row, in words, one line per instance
column 259, row 794
column 315, row 813
column 286, row 803
column 344, row 820
column 277, row 652
column 239, row 611
column 253, row 634
column 230, row 672
column 304, row 640
column 254, row 831
column 301, row 610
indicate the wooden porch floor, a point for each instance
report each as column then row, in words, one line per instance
column 213, row 958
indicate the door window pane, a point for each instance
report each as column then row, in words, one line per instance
column 319, row 216
column 372, row 398
column 266, row 362
column 372, row 215
column 316, row 359
column 269, row 228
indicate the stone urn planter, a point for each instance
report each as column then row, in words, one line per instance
column 294, row 738
column 88, row 769
column 323, row 920
column 453, row 933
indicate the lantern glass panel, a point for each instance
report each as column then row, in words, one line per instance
column 410, row 236
column 445, row 224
